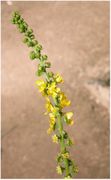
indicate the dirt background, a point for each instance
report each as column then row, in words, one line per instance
column 75, row 35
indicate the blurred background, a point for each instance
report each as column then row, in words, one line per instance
column 75, row 36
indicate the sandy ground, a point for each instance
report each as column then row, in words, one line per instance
column 75, row 35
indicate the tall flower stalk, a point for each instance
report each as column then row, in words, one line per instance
column 56, row 100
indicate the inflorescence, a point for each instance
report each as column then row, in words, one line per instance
column 56, row 100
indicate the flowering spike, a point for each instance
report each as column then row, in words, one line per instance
column 56, row 100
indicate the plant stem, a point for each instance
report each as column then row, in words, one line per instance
column 62, row 143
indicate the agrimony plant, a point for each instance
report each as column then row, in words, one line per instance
column 56, row 100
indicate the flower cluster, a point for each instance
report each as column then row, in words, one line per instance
column 56, row 100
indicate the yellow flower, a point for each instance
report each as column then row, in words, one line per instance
column 58, row 78
column 52, row 122
column 59, row 170
column 55, row 92
column 49, row 106
column 55, row 111
column 67, row 177
column 49, row 131
column 55, row 138
column 76, row 170
column 69, row 115
column 41, row 85
column 39, row 82
column 71, row 122
column 51, row 115
column 63, row 100
column 51, row 88
column 65, row 155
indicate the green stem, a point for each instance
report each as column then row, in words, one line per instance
column 62, row 143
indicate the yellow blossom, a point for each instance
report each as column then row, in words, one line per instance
column 51, row 88
column 59, row 170
column 49, row 131
column 52, row 122
column 67, row 177
column 39, row 82
column 69, row 115
column 76, row 170
column 65, row 155
column 55, row 138
column 55, row 111
column 71, row 122
column 51, row 115
column 41, row 85
column 58, row 78
column 63, row 100
column 49, row 106
column 55, row 92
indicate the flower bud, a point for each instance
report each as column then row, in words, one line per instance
column 44, row 57
column 29, row 44
column 35, row 42
column 37, row 55
column 47, row 64
column 32, row 55
column 50, row 74
column 39, row 47
column 30, row 31
column 25, row 40
column 17, row 17
column 22, row 28
column 32, row 36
